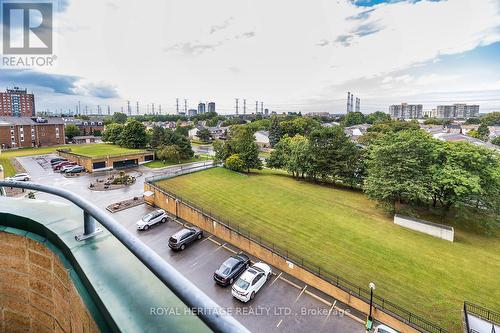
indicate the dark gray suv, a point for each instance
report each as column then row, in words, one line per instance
column 184, row 237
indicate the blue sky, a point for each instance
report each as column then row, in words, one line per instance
column 302, row 59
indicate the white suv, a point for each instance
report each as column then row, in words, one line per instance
column 157, row 216
column 250, row 282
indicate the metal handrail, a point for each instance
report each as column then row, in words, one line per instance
column 209, row 312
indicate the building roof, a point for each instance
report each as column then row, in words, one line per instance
column 84, row 137
column 457, row 137
column 8, row 121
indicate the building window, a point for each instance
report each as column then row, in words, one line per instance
column 22, row 137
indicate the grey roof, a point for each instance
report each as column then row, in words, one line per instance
column 83, row 137
column 7, row 121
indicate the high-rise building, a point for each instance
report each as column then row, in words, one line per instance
column 192, row 112
column 457, row 111
column 211, row 107
column 201, row 108
column 17, row 103
column 406, row 111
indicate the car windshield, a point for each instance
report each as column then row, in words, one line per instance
column 242, row 284
column 381, row 330
column 147, row 217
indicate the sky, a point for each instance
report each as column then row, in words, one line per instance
column 292, row 55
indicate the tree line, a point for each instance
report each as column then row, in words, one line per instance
column 397, row 163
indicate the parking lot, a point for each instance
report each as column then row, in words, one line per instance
column 283, row 304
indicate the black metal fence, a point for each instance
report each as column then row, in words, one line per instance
column 380, row 303
column 481, row 312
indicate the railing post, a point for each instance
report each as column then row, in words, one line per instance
column 89, row 227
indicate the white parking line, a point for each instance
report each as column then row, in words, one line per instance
column 207, row 239
column 279, row 323
column 276, row 278
column 303, row 289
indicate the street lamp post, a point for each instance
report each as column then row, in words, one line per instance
column 369, row 320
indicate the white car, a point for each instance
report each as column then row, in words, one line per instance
column 250, row 282
column 157, row 216
column 384, row 329
column 23, row 177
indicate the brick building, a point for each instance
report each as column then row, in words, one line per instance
column 86, row 127
column 19, row 132
column 17, row 103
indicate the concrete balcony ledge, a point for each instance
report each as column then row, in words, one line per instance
column 120, row 293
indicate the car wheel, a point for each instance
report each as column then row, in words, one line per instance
column 146, row 227
column 269, row 275
column 199, row 236
column 231, row 281
column 163, row 220
column 183, row 247
column 247, row 265
column 26, row 179
column 252, row 295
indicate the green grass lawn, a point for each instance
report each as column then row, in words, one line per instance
column 344, row 232
column 102, row 149
column 160, row 164
column 7, row 154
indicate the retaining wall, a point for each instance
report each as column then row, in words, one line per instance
column 437, row 230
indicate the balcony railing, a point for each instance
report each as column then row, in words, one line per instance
column 214, row 317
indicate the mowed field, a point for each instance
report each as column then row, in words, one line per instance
column 343, row 232
column 102, row 149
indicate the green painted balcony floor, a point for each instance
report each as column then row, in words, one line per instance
column 118, row 290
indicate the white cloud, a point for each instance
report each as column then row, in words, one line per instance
column 284, row 51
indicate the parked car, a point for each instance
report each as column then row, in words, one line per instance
column 250, row 282
column 75, row 169
column 384, row 329
column 184, row 237
column 231, row 269
column 23, row 177
column 149, row 220
column 58, row 166
column 57, row 160
column 66, row 167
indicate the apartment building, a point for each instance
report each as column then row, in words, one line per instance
column 406, row 111
column 20, row 132
column 457, row 111
column 17, row 102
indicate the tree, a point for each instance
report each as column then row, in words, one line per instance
column 119, row 118
column 204, row 135
column 483, row 132
column 399, row 166
column 376, row 117
column 241, row 141
column 235, row 163
column 113, row 133
column 274, row 132
column 299, row 125
column 353, row 118
column 333, row 155
column 491, row 119
column 473, row 121
column 169, row 153
column 157, row 137
column 133, row 135
column 496, row 141
column 183, row 144
column 71, row 131
column 467, row 174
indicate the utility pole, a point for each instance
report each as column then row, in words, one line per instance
column 244, row 106
column 147, row 108
column 177, row 105
column 256, row 107
column 79, row 108
column 109, row 110
column 129, row 110
column 153, row 108
column 236, row 106
column 185, row 106
column 137, row 107
column 159, row 107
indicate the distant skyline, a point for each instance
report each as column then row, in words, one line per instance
column 293, row 56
